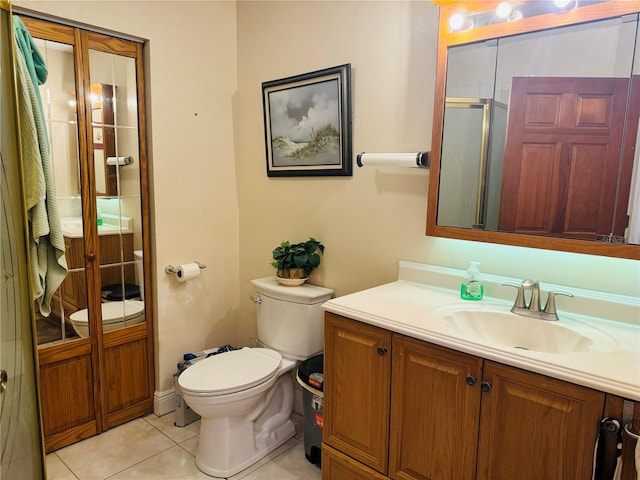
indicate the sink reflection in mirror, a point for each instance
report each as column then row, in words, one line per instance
column 500, row 328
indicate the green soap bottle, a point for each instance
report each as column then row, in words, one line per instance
column 472, row 288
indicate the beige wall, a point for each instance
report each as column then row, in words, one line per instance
column 213, row 200
column 367, row 221
column 371, row 220
column 192, row 81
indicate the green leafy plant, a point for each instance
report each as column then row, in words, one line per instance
column 325, row 138
column 304, row 256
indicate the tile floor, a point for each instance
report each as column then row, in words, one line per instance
column 153, row 448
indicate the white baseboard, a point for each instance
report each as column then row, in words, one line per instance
column 164, row 402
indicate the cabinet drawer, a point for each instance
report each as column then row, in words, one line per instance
column 337, row 466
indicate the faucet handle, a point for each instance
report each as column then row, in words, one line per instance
column 550, row 307
column 520, row 302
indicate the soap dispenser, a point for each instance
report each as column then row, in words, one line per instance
column 472, row 288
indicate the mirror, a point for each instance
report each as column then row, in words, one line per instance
column 114, row 120
column 538, row 133
column 60, row 113
column 112, row 136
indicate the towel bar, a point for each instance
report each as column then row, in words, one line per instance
column 627, row 430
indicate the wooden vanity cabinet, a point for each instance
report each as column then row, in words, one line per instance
column 448, row 414
column 534, row 427
column 338, row 466
column 435, row 402
column 358, row 376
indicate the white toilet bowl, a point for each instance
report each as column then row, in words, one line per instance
column 245, row 397
column 245, row 402
column 115, row 315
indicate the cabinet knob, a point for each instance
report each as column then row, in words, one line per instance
column 91, row 256
column 471, row 380
column 486, row 386
column 382, row 350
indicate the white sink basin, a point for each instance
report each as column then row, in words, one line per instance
column 506, row 329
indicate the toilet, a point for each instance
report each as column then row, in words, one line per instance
column 114, row 315
column 117, row 314
column 245, row 397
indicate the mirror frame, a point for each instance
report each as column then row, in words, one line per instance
column 447, row 39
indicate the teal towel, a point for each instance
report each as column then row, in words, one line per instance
column 48, row 265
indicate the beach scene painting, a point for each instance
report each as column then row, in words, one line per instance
column 307, row 124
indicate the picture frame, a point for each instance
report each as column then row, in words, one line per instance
column 307, row 123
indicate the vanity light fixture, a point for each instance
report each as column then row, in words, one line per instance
column 565, row 5
column 503, row 10
column 512, row 11
column 459, row 22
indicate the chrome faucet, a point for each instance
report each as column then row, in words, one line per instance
column 520, row 306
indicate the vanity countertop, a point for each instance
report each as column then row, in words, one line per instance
column 410, row 306
column 113, row 225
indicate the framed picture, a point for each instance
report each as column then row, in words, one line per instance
column 307, row 124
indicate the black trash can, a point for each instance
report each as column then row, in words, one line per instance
column 114, row 293
column 311, row 377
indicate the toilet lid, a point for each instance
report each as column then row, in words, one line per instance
column 231, row 372
column 112, row 312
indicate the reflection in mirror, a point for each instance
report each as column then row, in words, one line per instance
column 632, row 151
column 59, row 106
column 533, row 129
column 113, row 79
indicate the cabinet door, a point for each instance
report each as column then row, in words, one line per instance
column 357, row 368
column 435, row 408
column 533, row 427
column 336, row 466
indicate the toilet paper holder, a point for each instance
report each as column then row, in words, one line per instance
column 174, row 270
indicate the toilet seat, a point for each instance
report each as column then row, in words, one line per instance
column 231, row 372
column 112, row 312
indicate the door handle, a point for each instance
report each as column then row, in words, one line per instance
column 3, row 381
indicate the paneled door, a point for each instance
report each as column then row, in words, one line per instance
column 96, row 368
column 562, row 154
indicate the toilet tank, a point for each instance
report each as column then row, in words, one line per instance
column 290, row 319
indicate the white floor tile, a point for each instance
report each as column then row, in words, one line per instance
column 114, row 450
column 173, row 464
column 153, row 448
column 57, row 470
column 281, row 450
column 166, row 425
column 291, row 465
column 191, row 445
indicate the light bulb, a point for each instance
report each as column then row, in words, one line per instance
column 456, row 22
column 503, row 10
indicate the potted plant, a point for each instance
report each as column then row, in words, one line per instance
column 294, row 262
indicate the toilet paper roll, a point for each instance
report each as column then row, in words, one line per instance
column 122, row 161
column 188, row 271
